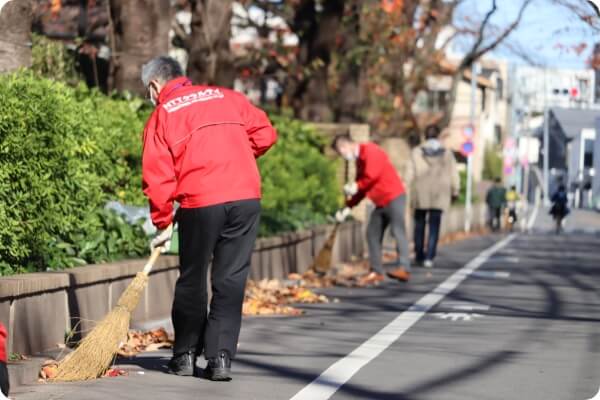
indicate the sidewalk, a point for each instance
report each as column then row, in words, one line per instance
column 578, row 221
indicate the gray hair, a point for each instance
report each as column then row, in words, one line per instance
column 162, row 69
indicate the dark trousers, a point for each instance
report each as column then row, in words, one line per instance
column 4, row 385
column 495, row 218
column 433, row 218
column 381, row 217
column 225, row 234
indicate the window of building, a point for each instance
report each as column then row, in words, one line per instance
column 483, row 99
column 498, row 133
column 437, row 100
column 500, row 88
column 588, row 155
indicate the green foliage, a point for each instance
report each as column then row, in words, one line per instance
column 51, row 58
column 462, row 197
column 492, row 166
column 63, row 153
column 299, row 182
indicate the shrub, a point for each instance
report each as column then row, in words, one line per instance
column 299, row 182
column 63, row 153
column 492, row 164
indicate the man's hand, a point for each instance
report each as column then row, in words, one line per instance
column 162, row 239
column 342, row 215
column 350, row 189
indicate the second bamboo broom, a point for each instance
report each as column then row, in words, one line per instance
column 97, row 350
column 322, row 263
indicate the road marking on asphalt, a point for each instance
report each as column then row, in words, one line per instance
column 334, row 377
column 491, row 274
column 597, row 396
column 464, row 305
column 534, row 214
column 457, row 316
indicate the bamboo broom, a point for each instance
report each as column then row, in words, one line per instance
column 322, row 263
column 97, row 350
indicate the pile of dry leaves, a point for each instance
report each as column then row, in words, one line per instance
column 275, row 297
column 138, row 342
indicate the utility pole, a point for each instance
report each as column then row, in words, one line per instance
column 546, row 156
column 546, row 143
column 469, row 197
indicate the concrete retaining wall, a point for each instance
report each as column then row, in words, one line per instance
column 40, row 308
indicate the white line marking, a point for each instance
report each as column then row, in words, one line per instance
column 536, row 210
column 492, row 274
column 464, row 305
column 597, row 396
column 332, row 379
column 457, row 316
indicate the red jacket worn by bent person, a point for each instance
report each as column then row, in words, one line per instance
column 200, row 148
column 376, row 177
column 3, row 336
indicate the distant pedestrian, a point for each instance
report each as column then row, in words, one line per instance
column 434, row 183
column 560, row 208
column 496, row 200
column 200, row 149
column 377, row 179
column 512, row 203
column 4, row 385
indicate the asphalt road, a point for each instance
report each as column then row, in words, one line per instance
column 519, row 321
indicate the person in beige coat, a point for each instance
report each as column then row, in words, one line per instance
column 434, row 184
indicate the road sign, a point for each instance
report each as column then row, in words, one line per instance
column 467, row 148
column 469, row 132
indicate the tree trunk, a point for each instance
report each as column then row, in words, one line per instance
column 141, row 30
column 318, row 32
column 351, row 93
column 211, row 60
column 16, row 17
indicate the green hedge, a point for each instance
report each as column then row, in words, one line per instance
column 64, row 152
column 299, row 183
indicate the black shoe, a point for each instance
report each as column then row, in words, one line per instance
column 182, row 364
column 219, row 368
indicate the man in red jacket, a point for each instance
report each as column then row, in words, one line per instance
column 377, row 179
column 200, row 150
column 4, row 385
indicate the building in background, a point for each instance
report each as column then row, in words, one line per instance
column 569, row 95
column 491, row 109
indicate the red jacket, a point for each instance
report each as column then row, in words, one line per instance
column 200, row 148
column 3, row 336
column 376, row 177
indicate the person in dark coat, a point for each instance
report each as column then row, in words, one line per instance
column 496, row 200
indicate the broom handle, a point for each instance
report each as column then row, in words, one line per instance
column 151, row 261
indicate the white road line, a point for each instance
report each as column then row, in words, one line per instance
column 536, row 210
column 332, row 379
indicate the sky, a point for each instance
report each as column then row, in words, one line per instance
column 543, row 29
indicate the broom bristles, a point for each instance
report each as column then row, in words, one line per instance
column 97, row 350
column 322, row 262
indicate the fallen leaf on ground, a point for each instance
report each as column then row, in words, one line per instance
column 138, row 342
column 49, row 369
column 114, row 372
column 275, row 297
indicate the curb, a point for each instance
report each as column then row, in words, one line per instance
column 26, row 372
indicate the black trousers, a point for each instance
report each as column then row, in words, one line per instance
column 4, row 384
column 224, row 234
column 495, row 218
column 434, row 217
